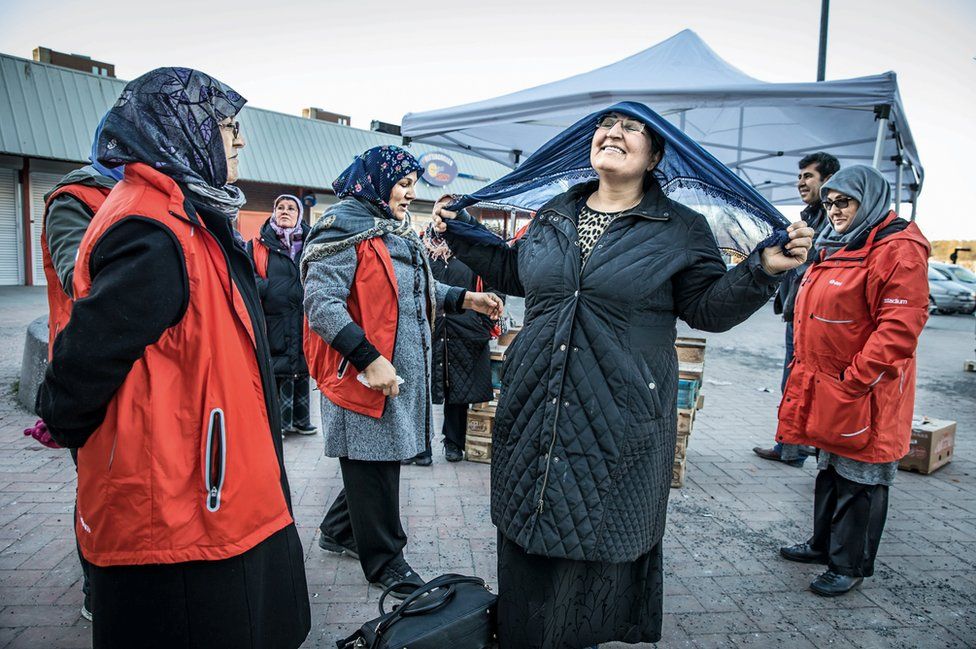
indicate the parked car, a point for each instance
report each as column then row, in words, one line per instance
column 956, row 273
column 948, row 296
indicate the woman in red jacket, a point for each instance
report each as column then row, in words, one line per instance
column 851, row 392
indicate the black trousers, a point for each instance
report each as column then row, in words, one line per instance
column 848, row 519
column 366, row 514
column 85, row 585
column 455, row 423
column 256, row 599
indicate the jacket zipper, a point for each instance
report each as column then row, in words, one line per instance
column 816, row 317
column 343, row 364
column 555, row 422
column 216, row 458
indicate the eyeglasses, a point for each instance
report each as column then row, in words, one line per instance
column 235, row 128
column 841, row 203
column 629, row 125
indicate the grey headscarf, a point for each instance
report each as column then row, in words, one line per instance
column 870, row 189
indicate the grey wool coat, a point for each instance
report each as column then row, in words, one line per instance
column 402, row 430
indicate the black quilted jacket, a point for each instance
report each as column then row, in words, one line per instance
column 585, row 428
column 461, row 359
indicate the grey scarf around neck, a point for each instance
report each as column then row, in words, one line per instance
column 866, row 185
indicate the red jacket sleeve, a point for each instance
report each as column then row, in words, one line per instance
column 898, row 296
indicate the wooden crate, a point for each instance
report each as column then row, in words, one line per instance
column 485, row 406
column 506, row 338
column 700, row 403
column 691, row 371
column 686, row 420
column 678, row 474
column 690, row 350
column 681, row 447
column 477, row 449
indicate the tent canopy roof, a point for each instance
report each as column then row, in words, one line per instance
column 759, row 129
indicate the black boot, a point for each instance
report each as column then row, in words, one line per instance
column 803, row 553
column 831, row 584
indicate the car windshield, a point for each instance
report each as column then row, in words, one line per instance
column 937, row 275
column 964, row 274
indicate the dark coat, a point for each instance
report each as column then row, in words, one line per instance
column 281, row 298
column 586, row 424
column 461, row 360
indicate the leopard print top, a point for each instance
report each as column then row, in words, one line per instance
column 590, row 226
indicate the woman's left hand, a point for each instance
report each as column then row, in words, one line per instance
column 488, row 303
column 801, row 239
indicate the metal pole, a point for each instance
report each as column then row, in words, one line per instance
column 822, row 55
column 879, row 143
column 914, row 203
column 898, row 188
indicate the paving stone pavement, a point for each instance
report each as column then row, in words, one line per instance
column 725, row 585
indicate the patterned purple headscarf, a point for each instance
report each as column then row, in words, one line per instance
column 372, row 175
column 168, row 119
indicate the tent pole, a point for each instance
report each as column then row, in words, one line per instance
column 914, row 203
column 898, row 177
column 738, row 157
column 881, row 113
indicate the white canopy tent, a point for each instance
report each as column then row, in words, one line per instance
column 758, row 129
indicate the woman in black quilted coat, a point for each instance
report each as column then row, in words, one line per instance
column 586, row 423
column 461, row 359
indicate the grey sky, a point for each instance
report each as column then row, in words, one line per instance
column 377, row 59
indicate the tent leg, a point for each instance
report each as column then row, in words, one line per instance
column 898, row 177
column 879, row 143
column 914, row 204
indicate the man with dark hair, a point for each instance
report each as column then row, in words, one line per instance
column 815, row 169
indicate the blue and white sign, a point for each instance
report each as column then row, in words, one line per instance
column 439, row 168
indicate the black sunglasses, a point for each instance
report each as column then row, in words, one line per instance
column 841, row 203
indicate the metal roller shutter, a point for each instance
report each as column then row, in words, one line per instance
column 11, row 250
column 40, row 184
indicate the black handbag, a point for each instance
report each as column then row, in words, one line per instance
column 452, row 611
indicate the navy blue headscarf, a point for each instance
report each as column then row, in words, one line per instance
column 111, row 172
column 373, row 173
column 738, row 215
column 169, row 119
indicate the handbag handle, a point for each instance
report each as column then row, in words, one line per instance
column 449, row 581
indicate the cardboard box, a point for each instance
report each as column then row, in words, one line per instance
column 688, row 393
column 686, row 420
column 477, row 449
column 932, row 445
column 678, row 474
column 690, row 350
column 509, row 336
column 700, row 403
column 480, row 424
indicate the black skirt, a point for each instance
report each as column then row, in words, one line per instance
column 256, row 599
column 547, row 603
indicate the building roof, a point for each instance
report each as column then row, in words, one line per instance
column 51, row 112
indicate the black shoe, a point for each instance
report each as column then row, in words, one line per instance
column 773, row 454
column 830, row 584
column 419, row 460
column 803, row 553
column 452, row 453
column 400, row 573
column 305, row 429
column 329, row 544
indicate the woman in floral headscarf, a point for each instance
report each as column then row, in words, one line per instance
column 162, row 380
column 370, row 300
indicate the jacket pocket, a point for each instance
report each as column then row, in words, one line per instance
column 343, row 364
column 839, row 418
column 215, row 458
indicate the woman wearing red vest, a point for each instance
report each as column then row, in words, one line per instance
column 276, row 251
column 68, row 209
column 370, row 300
column 851, row 391
column 162, row 380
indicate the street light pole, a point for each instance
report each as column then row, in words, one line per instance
column 822, row 56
